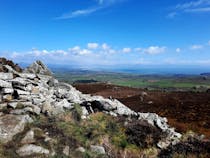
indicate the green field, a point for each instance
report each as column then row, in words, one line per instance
column 180, row 82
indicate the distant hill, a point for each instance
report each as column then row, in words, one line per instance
column 205, row 74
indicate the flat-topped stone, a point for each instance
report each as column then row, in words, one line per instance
column 6, row 76
column 5, row 84
column 27, row 75
column 7, row 90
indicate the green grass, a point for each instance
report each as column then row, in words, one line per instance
column 140, row 81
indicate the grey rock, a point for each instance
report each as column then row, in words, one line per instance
column 44, row 78
column 37, row 101
column 163, row 144
column 25, row 97
column 3, row 105
column 6, row 76
column 81, row 149
column 64, row 104
column 47, row 107
column 27, row 75
column 29, row 138
column 36, row 109
column 21, row 111
column 31, row 149
column 10, row 69
column 160, row 122
column 52, row 82
column 7, row 97
column 19, row 81
column 7, row 90
column 66, row 150
column 11, row 125
column 97, row 149
column 85, row 112
column 21, row 92
column 38, row 68
column 13, row 104
column 29, row 87
column 5, row 84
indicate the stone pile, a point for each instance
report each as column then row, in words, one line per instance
column 36, row 91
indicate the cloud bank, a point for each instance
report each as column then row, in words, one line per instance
column 102, row 54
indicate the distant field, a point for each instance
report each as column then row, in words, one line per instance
column 180, row 82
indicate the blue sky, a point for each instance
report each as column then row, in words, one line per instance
column 91, row 33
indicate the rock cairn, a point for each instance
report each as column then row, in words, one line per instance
column 36, row 91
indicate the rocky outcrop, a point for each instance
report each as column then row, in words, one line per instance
column 35, row 91
column 38, row 68
column 4, row 61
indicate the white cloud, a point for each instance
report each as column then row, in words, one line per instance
column 138, row 49
column 77, row 13
column 84, row 52
column 105, row 46
column 196, row 47
column 194, row 6
column 101, row 4
column 107, row 55
column 194, row 10
column 78, row 51
column 92, row 45
column 178, row 50
column 154, row 50
column 209, row 42
column 126, row 50
column 75, row 48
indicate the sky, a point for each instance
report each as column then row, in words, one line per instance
column 106, row 33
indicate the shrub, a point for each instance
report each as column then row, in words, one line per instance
column 143, row 134
column 77, row 112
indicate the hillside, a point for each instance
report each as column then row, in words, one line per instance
column 42, row 117
column 185, row 110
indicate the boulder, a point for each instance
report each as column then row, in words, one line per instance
column 47, row 107
column 13, row 104
column 31, row 149
column 3, row 105
column 29, row 138
column 19, row 81
column 7, row 90
column 52, row 82
column 7, row 97
column 5, row 84
column 63, row 104
column 6, row 76
column 11, row 125
column 81, row 149
column 97, row 149
column 27, row 75
column 66, row 150
column 21, row 92
column 37, row 101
